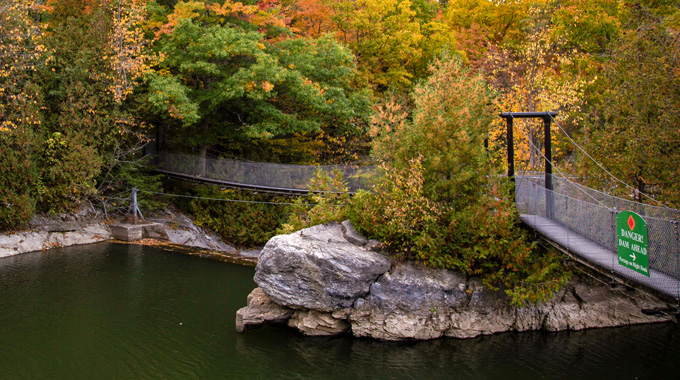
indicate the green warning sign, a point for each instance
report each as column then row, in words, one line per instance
column 631, row 231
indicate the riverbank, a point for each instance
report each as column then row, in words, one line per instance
column 52, row 232
column 327, row 280
column 172, row 231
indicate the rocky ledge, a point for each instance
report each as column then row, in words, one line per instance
column 51, row 235
column 84, row 228
column 327, row 280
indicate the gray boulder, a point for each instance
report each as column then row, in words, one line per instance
column 411, row 301
column 260, row 310
column 317, row 268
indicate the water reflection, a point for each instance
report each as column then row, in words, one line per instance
column 642, row 352
column 118, row 311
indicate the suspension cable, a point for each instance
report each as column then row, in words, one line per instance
column 237, row 200
column 602, row 167
column 559, row 171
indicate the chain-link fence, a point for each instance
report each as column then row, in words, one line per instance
column 592, row 214
column 250, row 174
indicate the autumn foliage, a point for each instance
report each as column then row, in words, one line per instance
column 85, row 84
column 440, row 198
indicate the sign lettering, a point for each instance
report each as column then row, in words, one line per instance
column 632, row 241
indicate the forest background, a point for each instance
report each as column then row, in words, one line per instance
column 86, row 84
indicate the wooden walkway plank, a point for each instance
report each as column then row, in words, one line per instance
column 600, row 256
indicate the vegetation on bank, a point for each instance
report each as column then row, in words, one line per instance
column 413, row 86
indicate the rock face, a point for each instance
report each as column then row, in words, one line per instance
column 318, row 323
column 410, row 301
column 180, row 229
column 83, row 228
column 28, row 241
column 318, row 269
column 327, row 285
column 260, row 310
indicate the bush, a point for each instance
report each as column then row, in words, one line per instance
column 67, row 171
column 398, row 213
column 327, row 202
column 18, row 177
column 239, row 223
column 249, row 219
column 440, row 198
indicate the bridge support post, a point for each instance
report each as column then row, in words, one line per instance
column 546, row 116
column 549, row 196
column 677, row 298
column 511, row 150
column 511, row 156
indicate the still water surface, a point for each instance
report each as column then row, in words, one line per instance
column 113, row 311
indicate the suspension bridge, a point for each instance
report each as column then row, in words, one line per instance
column 580, row 221
column 250, row 175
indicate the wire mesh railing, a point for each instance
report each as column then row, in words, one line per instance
column 284, row 177
column 592, row 214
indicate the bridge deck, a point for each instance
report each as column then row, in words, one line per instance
column 598, row 255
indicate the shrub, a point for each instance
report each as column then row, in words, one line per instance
column 327, row 202
column 239, row 223
column 398, row 213
column 18, row 177
column 67, row 173
column 441, row 199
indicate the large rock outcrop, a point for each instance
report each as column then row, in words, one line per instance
column 327, row 285
column 317, row 269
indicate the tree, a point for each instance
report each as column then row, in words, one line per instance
column 22, row 52
column 586, row 25
column 499, row 21
column 224, row 80
column 385, row 36
column 635, row 114
column 130, row 59
column 394, row 40
column 440, row 198
column 537, row 75
column 310, row 18
column 92, row 136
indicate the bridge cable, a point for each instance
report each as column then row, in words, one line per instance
column 602, row 167
column 560, row 172
column 237, row 200
column 611, row 210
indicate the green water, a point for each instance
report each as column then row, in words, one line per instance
column 113, row 311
